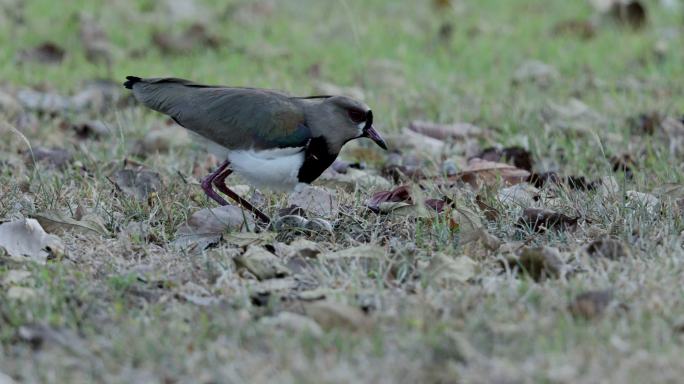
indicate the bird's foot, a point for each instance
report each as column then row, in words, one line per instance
column 218, row 179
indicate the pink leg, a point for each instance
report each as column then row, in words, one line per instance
column 220, row 183
column 208, row 181
column 218, row 178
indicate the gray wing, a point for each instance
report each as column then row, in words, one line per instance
column 236, row 118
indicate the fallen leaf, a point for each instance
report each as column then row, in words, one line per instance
column 290, row 222
column 415, row 141
column 93, row 129
column 352, row 180
column 521, row 195
column 26, row 239
column 400, row 194
column 630, row 12
column 319, row 225
column 624, row 163
column 317, row 201
column 138, row 183
column 45, row 53
column 541, row 180
column 52, row 157
column 518, row 156
column 541, row 220
column 298, row 248
column 468, row 223
column 480, row 172
column 206, row 226
column 608, row 248
column 641, row 200
column 401, row 168
column 456, row 131
column 590, row 304
column 444, row 269
column 333, row 315
column 59, row 222
column 262, row 263
column 540, row 263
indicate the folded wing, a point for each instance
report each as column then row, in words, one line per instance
column 235, row 118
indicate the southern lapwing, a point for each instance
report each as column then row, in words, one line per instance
column 271, row 139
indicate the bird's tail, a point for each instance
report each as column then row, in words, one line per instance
column 130, row 81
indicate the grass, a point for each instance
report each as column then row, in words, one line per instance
column 121, row 310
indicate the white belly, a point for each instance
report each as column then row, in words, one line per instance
column 276, row 169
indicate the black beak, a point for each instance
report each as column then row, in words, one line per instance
column 370, row 132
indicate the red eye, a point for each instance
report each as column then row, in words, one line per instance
column 357, row 116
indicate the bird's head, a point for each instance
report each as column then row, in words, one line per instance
column 345, row 119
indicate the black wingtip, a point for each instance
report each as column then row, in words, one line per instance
column 130, row 81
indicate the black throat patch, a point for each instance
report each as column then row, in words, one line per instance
column 317, row 159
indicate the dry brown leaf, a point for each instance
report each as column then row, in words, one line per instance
column 520, row 195
column 53, row 157
column 444, row 269
column 630, row 12
column 206, row 226
column 468, row 223
column 44, row 53
column 410, row 140
column 541, row 220
column 59, row 222
column 92, row 129
column 590, row 304
column 353, row 179
column 518, row 156
column 540, row 263
column 317, row 201
column 400, row 194
column 480, row 172
column 580, row 183
column 262, row 263
column 608, row 248
column 26, row 240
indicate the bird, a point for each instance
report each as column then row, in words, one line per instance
column 271, row 139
